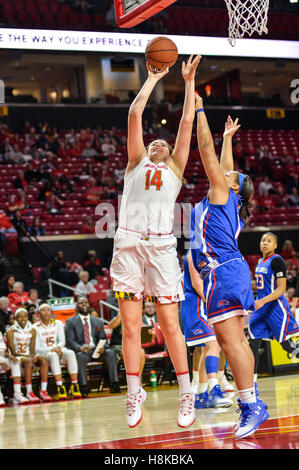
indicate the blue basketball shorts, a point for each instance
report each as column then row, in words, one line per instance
column 273, row 320
column 197, row 331
column 227, row 291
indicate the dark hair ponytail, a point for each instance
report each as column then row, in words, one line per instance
column 246, row 194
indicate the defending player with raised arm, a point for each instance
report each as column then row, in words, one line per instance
column 272, row 317
column 216, row 223
column 145, row 263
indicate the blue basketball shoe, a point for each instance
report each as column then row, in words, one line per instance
column 201, row 400
column 252, row 416
column 218, row 398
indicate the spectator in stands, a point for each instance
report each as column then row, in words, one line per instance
column 27, row 157
column 293, row 182
column 6, row 150
column 18, row 297
column 19, row 223
column 116, row 342
column 149, row 316
column 119, row 172
column 11, row 320
column 36, row 228
column 7, row 285
column 293, row 199
column 14, row 203
column 15, row 155
column 75, row 150
column 6, row 227
column 4, row 310
column 20, row 181
column 280, row 199
column 93, row 193
column 84, row 286
column 287, row 251
column 33, row 299
column 108, row 147
column 83, row 333
column 93, row 265
column 265, row 185
column 88, row 151
column 54, row 204
column 89, row 225
column 31, row 174
column 266, row 202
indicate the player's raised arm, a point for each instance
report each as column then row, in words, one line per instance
column 182, row 145
column 218, row 192
column 226, row 158
column 136, row 148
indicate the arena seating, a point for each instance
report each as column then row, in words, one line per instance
column 72, row 214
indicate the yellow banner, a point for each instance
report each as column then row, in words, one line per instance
column 275, row 113
column 280, row 356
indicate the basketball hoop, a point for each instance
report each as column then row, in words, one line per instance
column 246, row 17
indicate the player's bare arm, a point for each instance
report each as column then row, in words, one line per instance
column 196, row 281
column 136, row 148
column 10, row 341
column 226, row 158
column 218, row 192
column 182, row 145
column 278, row 292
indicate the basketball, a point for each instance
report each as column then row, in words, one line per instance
column 161, row 53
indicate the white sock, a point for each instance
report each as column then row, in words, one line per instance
column 59, row 383
column 28, row 388
column 133, row 383
column 44, row 386
column 184, row 382
column 255, row 378
column 195, row 375
column 17, row 388
column 220, row 375
column 247, row 395
column 212, row 382
column 202, row 387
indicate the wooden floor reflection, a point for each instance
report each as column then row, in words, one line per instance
column 100, row 423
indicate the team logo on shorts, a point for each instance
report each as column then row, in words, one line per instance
column 198, row 331
column 202, row 264
column 223, row 303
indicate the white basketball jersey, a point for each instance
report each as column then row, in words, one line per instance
column 47, row 336
column 148, row 199
column 22, row 338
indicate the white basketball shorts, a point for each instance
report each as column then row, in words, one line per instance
column 146, row 268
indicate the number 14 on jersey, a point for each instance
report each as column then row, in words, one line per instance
column 154, row 180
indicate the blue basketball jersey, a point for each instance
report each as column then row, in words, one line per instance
column 215, row 230
column 267, row 272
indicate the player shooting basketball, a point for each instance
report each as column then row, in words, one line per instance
column 145, row 260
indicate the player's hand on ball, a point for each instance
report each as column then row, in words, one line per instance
column 231, row 127
column 189, row 68
column 198, row 101
column 155, row 73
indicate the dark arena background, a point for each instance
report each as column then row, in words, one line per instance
column 69, row 72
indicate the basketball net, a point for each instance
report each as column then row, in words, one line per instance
column 246, row 17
